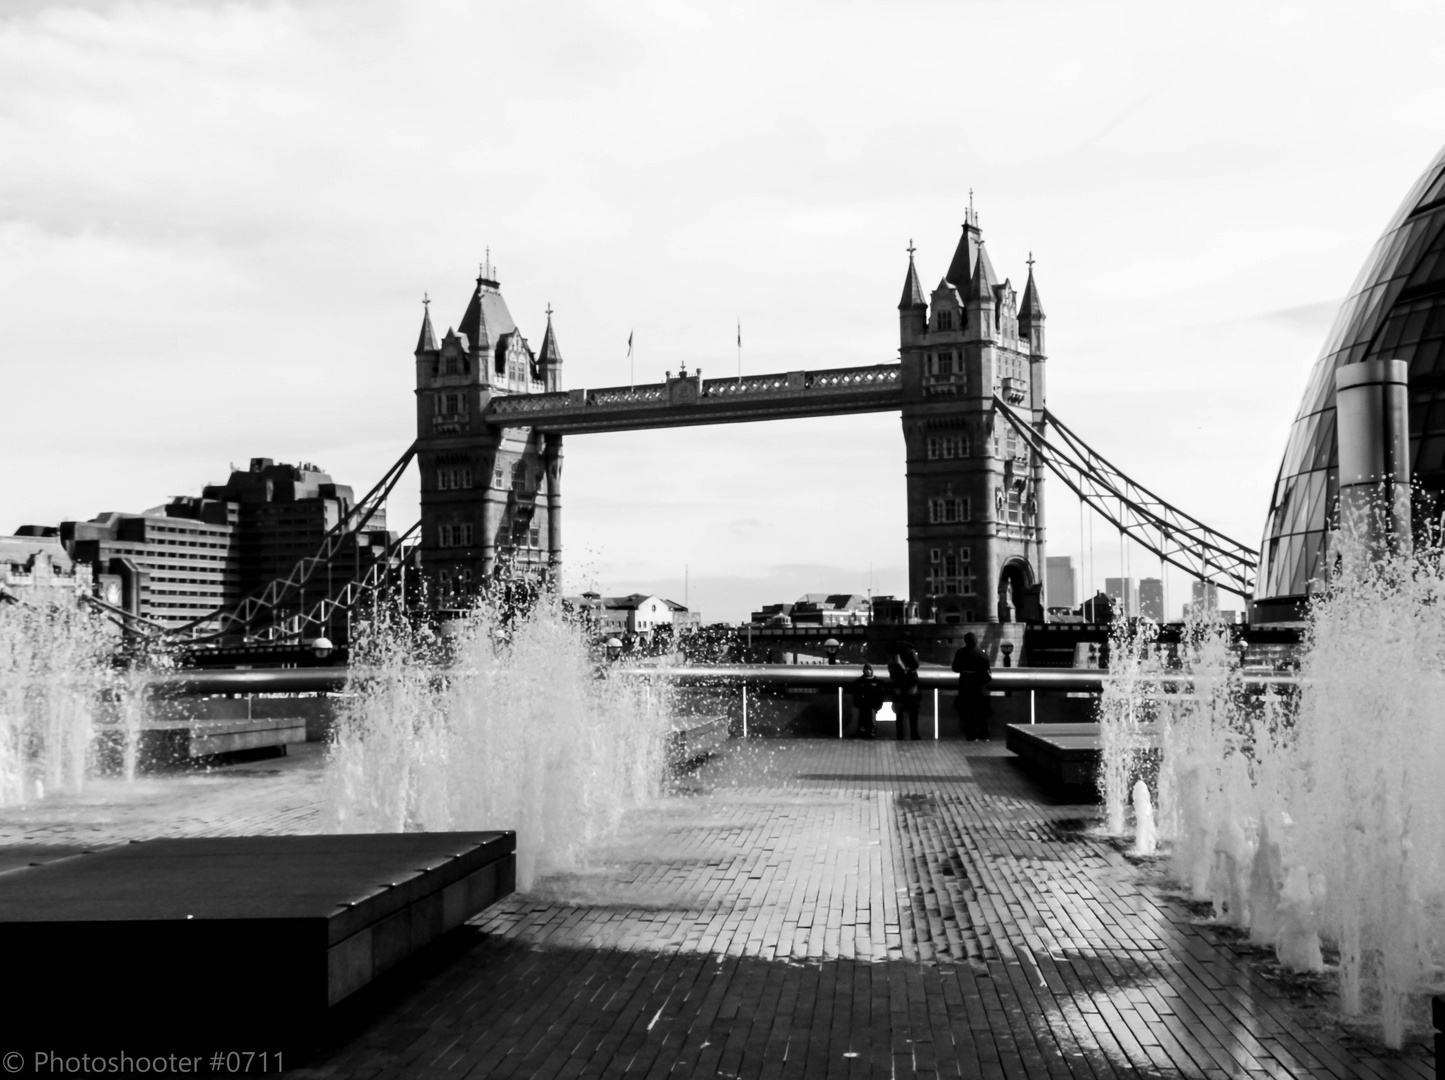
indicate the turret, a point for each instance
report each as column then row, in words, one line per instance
column 965, row 256
column 1031, row 316
column 912, row 308
column 980, row 312
column 427, row 352
column 427, row 340
column 549, row 357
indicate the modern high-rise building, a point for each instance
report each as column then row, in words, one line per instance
column 1061, row 586
column 180, row 562
column 1124, row 592
column 171, row 564
column 1203, row 600
column 975, row 490
column 1151, row 598
column 1395, row 311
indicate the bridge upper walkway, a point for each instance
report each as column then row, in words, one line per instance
column 690, row 399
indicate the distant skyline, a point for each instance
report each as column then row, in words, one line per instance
column 217, row 223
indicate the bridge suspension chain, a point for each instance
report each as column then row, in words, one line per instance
column 1138, row 513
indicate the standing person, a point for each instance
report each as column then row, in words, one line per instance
column 907, row 694
column 868, row 694
column 972, row 704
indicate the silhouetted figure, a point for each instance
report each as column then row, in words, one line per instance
column 972, row 704
column 868, row 694
column 907, row 694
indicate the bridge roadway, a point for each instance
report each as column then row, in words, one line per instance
column 685, row 400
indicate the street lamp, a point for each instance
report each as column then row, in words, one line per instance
column 321, row 647
column 831, row 647
column 614, row 649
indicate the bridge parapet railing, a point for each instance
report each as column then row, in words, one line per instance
column 650, row 394
column 520, row 404
column 882, row 377
column 833, row 380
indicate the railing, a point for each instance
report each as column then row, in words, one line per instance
column 512, row 404
column 814, row 384
column 821, row 676
column 627, row 395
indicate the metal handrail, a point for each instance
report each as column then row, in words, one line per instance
column 818, row 677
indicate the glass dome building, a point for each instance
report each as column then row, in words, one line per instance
column 1396, row 310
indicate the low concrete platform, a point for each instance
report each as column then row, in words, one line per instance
column 699, row 738
column 1062, row 756
column 255, row 936
column 172, row 742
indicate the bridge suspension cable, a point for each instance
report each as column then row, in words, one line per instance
column 1138, row 513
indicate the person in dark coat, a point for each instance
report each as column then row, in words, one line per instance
column 868, row 694
column 972, row 704
column 907, row 694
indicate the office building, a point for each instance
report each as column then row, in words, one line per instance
column 1061, row 586
column 1395, row 310
column 178, row 563
column 1123, row 594
column 1151, row 598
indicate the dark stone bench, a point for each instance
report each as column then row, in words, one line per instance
column 250, row 938
column 1065, row 757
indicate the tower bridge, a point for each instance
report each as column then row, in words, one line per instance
column 491, row 416
column 978, row 439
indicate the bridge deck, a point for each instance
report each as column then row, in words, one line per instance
column 691, row 400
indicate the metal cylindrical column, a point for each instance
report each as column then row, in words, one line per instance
column 552, row 459
column 1372, row 428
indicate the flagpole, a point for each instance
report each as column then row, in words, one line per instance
column 740, row 352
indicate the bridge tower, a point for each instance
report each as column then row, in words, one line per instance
column 975, row 492
column 490, row 496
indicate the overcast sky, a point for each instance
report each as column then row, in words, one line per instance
column 217, row 222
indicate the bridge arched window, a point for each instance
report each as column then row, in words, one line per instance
column 519, row 476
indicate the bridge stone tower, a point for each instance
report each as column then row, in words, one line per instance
column 490, row 495
column 975, row 490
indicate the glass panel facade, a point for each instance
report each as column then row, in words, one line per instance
column 1396, row 310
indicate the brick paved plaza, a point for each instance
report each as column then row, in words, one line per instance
column 811, row 909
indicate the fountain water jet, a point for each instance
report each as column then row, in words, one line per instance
column 59, row 687
column 507, row 724
column 1320, row 816
column 1145, row 834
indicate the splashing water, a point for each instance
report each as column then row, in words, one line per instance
column 502, row 725
column 58, row 687
column 1318, row 815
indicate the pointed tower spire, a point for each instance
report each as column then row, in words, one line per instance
column 912, row 290
column 1030, row 306
column 981, row 287
column 549, row 356
column 1031, row 314
column 427, row 340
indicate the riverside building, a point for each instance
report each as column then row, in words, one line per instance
column 178, row 563
column 1395, row 311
